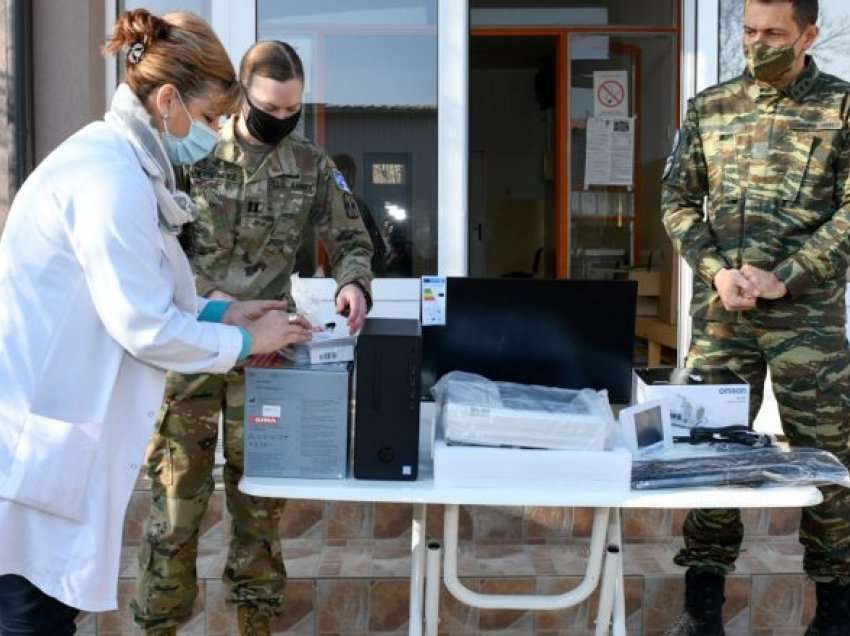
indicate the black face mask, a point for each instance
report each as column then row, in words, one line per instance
column 268, row 128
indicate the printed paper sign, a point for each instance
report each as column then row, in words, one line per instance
column 610, row 156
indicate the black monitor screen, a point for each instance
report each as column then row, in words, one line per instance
column 567, row 333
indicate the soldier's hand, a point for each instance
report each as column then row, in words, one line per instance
column 351, row 302
column 736, row 291
column 767, row 284
column 242, row 312
column 276, row 330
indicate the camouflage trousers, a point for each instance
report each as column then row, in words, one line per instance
column 180, row 462
column 809, row 368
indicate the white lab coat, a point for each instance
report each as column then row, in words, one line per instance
column 87, row 330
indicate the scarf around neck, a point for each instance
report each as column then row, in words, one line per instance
column 128, row 116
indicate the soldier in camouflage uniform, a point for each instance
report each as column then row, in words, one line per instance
column 255, row 201
column 770, row 151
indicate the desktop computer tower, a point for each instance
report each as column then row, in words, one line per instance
column 387, row 395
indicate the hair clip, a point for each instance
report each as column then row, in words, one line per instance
column 135, row 53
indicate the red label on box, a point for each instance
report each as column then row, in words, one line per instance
column 258, row 419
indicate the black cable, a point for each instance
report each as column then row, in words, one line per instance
column 725, row 435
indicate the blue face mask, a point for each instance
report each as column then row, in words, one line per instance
column 184, row 151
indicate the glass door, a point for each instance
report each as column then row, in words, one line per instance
column 623, row 114
column 513, row 109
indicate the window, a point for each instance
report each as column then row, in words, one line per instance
column 158, row 7
column 389, row 174
column 561, row 13
column 371, row 94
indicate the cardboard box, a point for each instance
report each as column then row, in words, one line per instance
column 326, row 351
column 647, row 307
column 297, row 421
column 668, row 299
column 486, row 467
column 649, row 287
column 697, row 397
column 649, row 283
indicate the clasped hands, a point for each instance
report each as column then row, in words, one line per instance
column 739, row 289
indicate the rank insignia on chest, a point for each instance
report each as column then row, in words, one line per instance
column 805, row 126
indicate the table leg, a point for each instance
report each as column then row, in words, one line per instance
column 523, row 601
column 611, row 590
column 433, row 580
column 417, row 570
column 620, row 605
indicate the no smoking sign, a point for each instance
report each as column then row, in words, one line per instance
column 610, row 94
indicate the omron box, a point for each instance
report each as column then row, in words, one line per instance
column 296, row 422
column 697, row 397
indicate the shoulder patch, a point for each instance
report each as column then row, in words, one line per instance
column 340, row 182
column 668, row 166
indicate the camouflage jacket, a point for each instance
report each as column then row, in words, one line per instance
column 251, row 221
column 774, row 166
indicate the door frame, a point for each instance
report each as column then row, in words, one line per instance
column 700, row 69
column 561, row 201
column 563, row 132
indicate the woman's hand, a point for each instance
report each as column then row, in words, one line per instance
column 241, row 313
column 351, row 303
column 276, row 330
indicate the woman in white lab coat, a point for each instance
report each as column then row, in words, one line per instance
column 97, row 301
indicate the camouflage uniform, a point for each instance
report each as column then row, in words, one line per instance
column 775, row 168
column 254, row 206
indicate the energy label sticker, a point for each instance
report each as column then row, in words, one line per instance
column 433, row 301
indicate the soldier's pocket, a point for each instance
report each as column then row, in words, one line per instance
column 721, row 156
column 833, row 400
column 290, row 208
column 809, row 152
column 798, row 156
column 158, row 454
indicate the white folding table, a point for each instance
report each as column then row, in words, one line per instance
column 605, row 555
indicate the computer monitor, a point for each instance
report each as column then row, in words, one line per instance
column 566, row 333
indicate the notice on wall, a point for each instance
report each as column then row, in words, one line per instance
column 610, row 94
column 433, row 301
column 610, row 151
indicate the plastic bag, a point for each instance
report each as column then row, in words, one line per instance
column 306, row 302
column 752, row 467
column 475, row 410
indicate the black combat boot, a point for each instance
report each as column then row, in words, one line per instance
column 703, row 615
column 832, row 617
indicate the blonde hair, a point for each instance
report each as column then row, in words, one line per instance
column 272, row 59
column 178, row 48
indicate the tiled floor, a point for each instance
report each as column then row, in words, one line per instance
column 348, row 565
